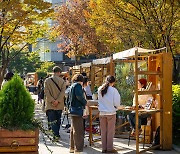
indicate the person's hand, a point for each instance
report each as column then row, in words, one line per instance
column 55, row 103
column 88, row 103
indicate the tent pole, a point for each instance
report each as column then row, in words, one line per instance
column 136, row 101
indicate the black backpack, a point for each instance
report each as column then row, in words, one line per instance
column 71, row 96
column 156, row 140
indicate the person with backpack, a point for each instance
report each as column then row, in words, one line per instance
column 76, row 103
column 54, row 88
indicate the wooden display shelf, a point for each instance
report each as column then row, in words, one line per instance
column 149, row 92
column 149, row 73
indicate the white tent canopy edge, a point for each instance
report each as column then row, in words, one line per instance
column 131, row 52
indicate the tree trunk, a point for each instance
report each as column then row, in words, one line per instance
column 176, row 71
column 2, row 73
column 1, row 80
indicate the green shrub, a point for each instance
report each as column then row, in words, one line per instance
column 41, row 74
column 125, row 82
column 16, row 106
column 176, row 113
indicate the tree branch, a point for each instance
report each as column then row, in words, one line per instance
column 120, row 15
column 11, row 58
column 10, row 34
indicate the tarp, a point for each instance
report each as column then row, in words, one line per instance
column 86, row 65
column 102, row 61
column 131, row 52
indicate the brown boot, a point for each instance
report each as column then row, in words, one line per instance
column 71, row 150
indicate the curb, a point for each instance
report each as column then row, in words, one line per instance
column 176, row 148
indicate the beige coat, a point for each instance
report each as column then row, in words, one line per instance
column 52, row 93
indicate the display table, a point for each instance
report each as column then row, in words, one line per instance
column 121, row 108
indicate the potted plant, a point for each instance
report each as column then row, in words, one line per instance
column 18, row 131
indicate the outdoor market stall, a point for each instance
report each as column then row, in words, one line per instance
column 96, row 71
column 159, row 73
column 86, row 67
column 100, row 69
column 75, row 70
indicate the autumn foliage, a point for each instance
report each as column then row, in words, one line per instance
column 21, row 23
column 123, row 24
column 78, row 37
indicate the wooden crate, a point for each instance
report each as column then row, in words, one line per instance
column 19, row 141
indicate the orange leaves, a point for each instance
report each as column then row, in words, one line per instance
column 86, row 14
column 73, row 26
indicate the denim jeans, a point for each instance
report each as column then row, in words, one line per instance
column 132, row 120
column 54, row 121
column 142, row 119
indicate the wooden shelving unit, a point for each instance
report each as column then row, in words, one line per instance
column 160, row 74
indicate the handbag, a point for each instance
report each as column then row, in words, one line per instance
column 76, row 110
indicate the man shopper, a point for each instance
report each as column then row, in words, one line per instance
column 54, row 91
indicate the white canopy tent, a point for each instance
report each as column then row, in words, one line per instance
column 76, row 67
column 86, row 65
column 102, row 61
column 131, row 52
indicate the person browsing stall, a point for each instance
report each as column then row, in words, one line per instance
column 87, row 89
column 54, row 88
column 108, row 100
column 77, row 102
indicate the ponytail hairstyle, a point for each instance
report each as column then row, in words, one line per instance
column 109, row 79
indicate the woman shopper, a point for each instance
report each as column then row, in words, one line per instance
column 109, row 100
column 77, row 103
column 87, row 89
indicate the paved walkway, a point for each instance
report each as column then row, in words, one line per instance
column 63, row 146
